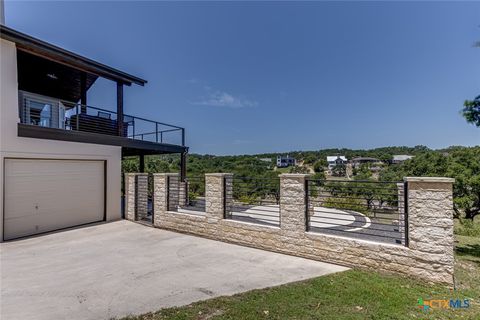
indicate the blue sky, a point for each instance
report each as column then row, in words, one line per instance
column 273, row 77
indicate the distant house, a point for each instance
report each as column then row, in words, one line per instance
column 285, row 161
column 265, row 159
column 334, row 161
column 357, row 162
column 400, row 158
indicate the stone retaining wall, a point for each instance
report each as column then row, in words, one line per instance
column 429, row 255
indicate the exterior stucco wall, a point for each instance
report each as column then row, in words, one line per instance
column 12, row 146
column 429, row 256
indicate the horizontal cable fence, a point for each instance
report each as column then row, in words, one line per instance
column 194, row 195
column 370, row 210
column 255, row 200
column 187, row 196
column 173, row 193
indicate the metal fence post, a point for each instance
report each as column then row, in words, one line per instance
column 78, row 123
column 168, row 193
column 307, row 215
column 224, row 197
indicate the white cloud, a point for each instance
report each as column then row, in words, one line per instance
column 224, row 99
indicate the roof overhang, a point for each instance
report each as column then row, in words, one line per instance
column 46, row 50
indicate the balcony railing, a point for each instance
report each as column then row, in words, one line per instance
column 77, row 117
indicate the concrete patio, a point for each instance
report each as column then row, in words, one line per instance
column 121, row 268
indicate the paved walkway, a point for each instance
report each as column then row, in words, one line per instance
column 121, row 268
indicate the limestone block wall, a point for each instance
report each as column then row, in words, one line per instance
column 428, row 256
column 136, row 196
column 130, row 195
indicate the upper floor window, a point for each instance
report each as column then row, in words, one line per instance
column 41, row 111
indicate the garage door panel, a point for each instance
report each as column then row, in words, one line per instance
column 45, row 195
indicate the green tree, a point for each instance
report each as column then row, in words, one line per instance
column 299, row 169
column 340, row 170
column 460, row 163
column 471, row 111
column 320, row 165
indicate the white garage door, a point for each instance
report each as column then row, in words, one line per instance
column 46, row 195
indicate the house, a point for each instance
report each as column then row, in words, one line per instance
column 61, row 158
column 357, row 162
column 334, row 161
column 285, row 161
column 396, row 159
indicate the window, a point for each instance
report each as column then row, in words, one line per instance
column 41, row 111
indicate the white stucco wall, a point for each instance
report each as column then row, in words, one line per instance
column 13, row 146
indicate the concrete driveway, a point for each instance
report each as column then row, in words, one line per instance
column 121, row 268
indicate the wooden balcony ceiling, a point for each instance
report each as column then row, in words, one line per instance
column 46, row 77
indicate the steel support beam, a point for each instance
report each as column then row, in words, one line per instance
column 120, row 108
column 183, row 166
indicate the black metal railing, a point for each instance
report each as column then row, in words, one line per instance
column 254, row 200
column 371, row 210
column 188, row 196
column 194, row 188
column 173, row 193
column 77, row 117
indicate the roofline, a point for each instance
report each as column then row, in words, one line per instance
column 41, row 48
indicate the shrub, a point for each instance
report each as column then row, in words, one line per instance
column 468, row 227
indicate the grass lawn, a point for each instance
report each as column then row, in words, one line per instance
column 348, row 295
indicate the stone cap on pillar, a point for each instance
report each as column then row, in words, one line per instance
column 165, row 174
column 429, row 179
column 295, row 175
column 136, row 174
column 429, row 183
column 218, row 174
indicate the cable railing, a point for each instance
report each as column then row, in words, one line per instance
column 186, row 196
column 194, row 202
column 78, row 117
column 255, row 200
column 370, row 210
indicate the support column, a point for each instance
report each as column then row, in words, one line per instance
column 83, row 92
column 183, row 166
column 293, row 206
column 141, row 159
column 120, row 109
column 429, row 222
column 216, row 195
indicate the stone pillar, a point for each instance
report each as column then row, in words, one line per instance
column 162, row 194
column 430, row 222
column 130, row 194
column 141, row 196
column 136, row 196
column 293, row 206
column 215, row 195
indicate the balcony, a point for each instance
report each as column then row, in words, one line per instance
column 49, row 118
